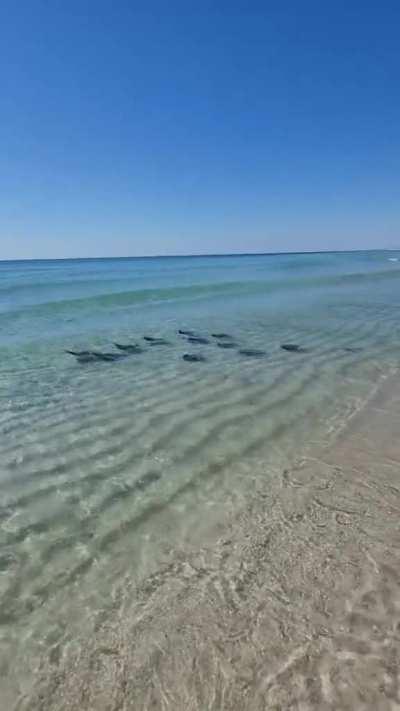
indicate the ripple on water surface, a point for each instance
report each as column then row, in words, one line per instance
column 108, row 465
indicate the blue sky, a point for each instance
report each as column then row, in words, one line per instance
column 170, row 128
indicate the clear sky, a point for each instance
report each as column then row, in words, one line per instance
column 131, row 128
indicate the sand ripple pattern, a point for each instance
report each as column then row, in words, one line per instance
column 107, row 469
column 297, row 606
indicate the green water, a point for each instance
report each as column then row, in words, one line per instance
column 106, row 466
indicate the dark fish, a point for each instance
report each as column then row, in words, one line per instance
column 155, row 341
column 293, row 348
column 192, row 358
column 87, row 358
column 95, row 356
column 198, row 339
column 221, row 335
column 186, row 333
column 353, row 349
column 252, row 353
column 227, row 344
column 80, row 353
column 129, row 347
column 110, row 357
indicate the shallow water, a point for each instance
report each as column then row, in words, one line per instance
column 107, row 466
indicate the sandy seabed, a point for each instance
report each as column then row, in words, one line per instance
column 296, row 606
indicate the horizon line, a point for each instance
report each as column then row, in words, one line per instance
column 200, row 255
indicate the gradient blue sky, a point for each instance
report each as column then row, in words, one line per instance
column 133, row 128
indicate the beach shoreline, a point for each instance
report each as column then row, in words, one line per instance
column 296, row 606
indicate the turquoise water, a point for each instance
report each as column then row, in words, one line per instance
column 108, row 466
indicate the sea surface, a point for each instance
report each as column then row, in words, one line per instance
column 108, row 465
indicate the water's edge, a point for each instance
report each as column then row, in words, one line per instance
column 242, row 621
column 115, row 470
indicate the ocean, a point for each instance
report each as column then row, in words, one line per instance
column 109, row 465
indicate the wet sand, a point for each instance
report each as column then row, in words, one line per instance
column 295, row 606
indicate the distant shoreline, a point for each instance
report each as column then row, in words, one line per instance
column 199, row 256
